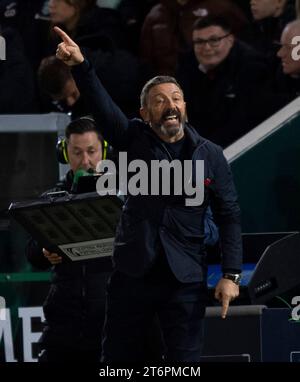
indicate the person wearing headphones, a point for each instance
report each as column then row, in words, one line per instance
column 74, row 307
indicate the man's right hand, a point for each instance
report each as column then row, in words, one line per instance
column 52, row 257
column 68, row 51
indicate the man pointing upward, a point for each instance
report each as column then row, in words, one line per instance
column 159, row 252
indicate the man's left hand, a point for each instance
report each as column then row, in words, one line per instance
column 226, row 291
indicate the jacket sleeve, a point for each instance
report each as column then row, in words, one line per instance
column 226, row 212
column 111, row 121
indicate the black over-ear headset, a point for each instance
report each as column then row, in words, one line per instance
column 62, row 152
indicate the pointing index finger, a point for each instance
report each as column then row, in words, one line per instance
column 225, row 306
column 66, row 39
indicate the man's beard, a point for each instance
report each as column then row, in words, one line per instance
column 169, row 131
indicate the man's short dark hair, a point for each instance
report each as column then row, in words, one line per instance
column 153, row 82
column 82, row 125
column 211, row 20
column 53, row 75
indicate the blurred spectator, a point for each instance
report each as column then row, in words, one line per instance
column 89, row 25
column 270, row 18
column 20, row 15
column 288, row 76
column 77, row 17
column 122, row 82
column 222, row 80
column 8, row 13
column 17, row 93
column 266, row 9
column 133, row 13
column 15, row 13
column 245, row 6
column 56, row 82
column 284, row 84
column 167, row 30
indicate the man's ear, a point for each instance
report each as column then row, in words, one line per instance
column 144, row 114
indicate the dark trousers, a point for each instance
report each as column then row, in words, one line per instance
column 132, row 304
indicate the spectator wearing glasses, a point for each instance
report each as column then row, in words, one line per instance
column 222, row 79
column 167, row 29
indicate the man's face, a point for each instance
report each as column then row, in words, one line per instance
column 70, row 93
column 289, row 65
column 262, row 9
column 212, row 45
column 61, row 12
column 84, row 151
column 165, row 111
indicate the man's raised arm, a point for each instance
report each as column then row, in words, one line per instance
column 110, row 119
column 68, row 51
